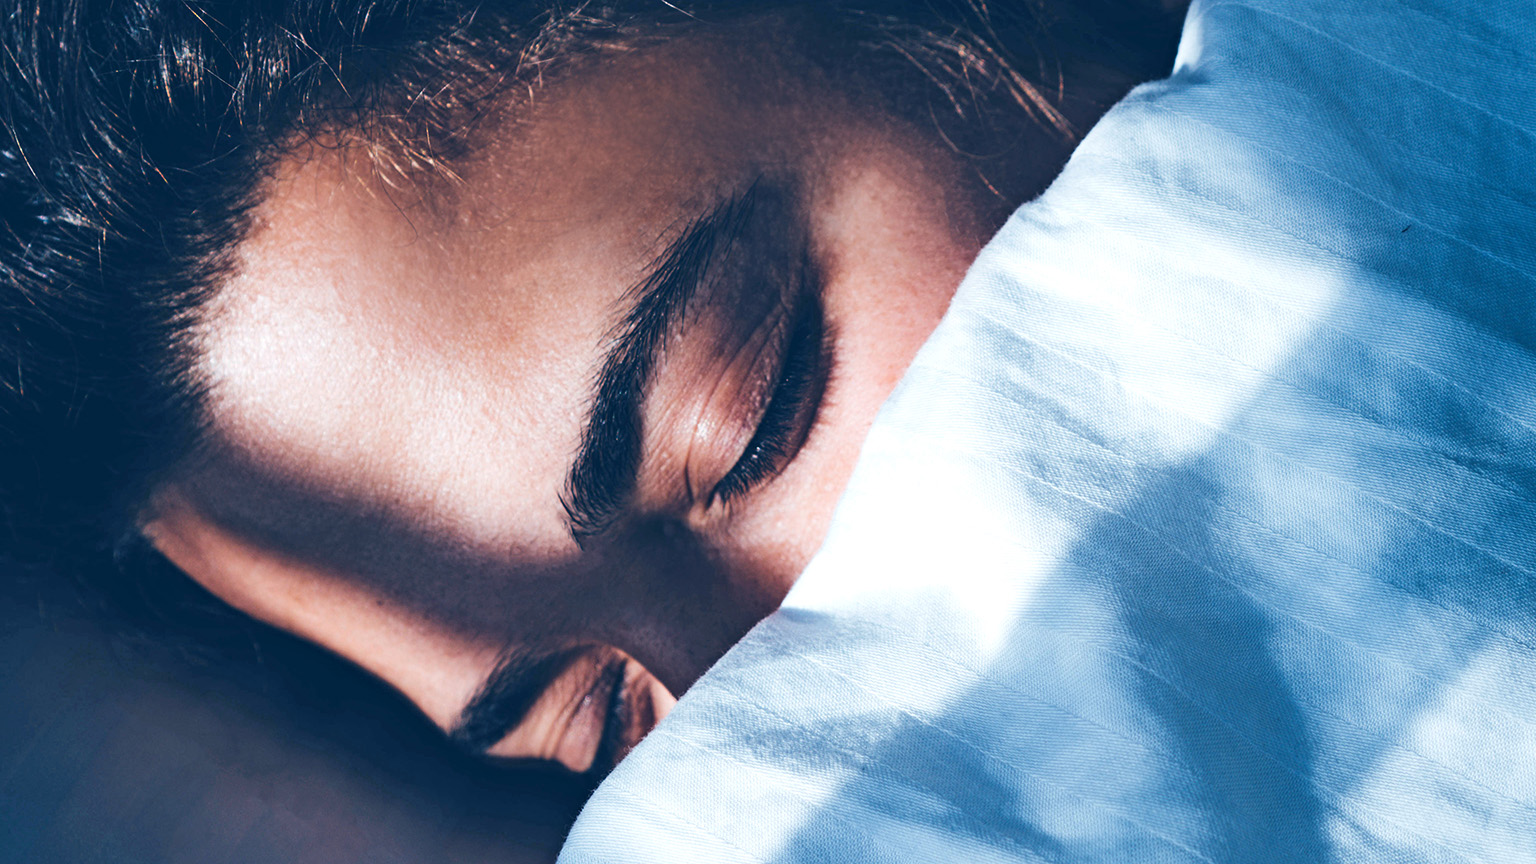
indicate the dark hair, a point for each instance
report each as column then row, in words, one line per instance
column 137, row 133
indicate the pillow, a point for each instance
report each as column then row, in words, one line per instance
column 1202, row 528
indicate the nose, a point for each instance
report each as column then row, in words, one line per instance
column 673, row 602
column 436, row 669
column 658, row 597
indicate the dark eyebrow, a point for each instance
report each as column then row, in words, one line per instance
column 505, row 698
column 607, row 462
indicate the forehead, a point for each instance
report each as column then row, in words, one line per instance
column 434, row 360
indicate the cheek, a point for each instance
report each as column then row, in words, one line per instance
column 879, row 332
column 889, row 292
column 894, row 232
column 890, row 281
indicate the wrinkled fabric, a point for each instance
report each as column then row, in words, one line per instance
column 1202, row 528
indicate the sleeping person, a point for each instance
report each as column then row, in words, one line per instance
column 515, row 352
column 1203, row 528
column 523, row 365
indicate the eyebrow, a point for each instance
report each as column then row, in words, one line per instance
column 607, row 463
column 505, row 698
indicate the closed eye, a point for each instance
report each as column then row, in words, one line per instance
column 791, row 411
column 585, row 711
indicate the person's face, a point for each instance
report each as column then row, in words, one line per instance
column 407, row 466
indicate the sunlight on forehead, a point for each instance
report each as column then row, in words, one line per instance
column 434, row 355
column 360, row 351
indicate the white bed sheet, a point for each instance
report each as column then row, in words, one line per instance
column 1203, row 528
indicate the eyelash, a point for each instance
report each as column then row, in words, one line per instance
column 615, row 719
column 801, row 380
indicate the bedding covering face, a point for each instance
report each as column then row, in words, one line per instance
column 1204, row 528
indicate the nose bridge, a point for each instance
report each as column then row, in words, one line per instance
column 438, row 669
column 675, row 605
column 433, row 622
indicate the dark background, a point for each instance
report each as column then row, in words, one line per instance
column 112, row 751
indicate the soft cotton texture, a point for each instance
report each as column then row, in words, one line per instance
column 1202, row 529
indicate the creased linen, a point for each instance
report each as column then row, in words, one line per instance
column 1202, row 529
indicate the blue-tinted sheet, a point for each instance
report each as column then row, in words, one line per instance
column 1202, row 529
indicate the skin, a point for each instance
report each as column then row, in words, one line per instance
column 397, row 382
